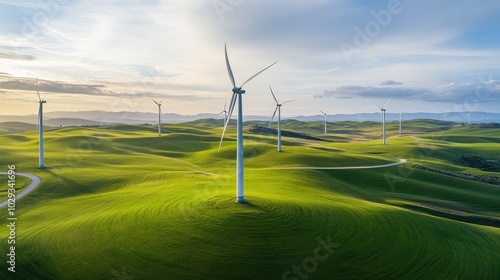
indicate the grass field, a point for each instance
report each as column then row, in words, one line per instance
column 121, row 202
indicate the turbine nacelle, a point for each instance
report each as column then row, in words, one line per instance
column 238, row 90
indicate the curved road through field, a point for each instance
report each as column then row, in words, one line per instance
column 35, row 181
column 401, row 161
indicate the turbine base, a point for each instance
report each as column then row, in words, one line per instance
column 240, row 200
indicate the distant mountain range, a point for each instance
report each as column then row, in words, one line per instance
column 105, row 118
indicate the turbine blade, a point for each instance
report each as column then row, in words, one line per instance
column 274, row 114
column 322, row 112
column 375, row 107
column 232, row 104
column 36, row 84
column 44, row 96
column 273, row 95
column 38, row 119
column 225, row 102
column 219, row 113
column 229, row 71
column 251, row 78
column 155, row 102
column 287, row 102
column 231, row 108
column 161, row 101
column 387, row 102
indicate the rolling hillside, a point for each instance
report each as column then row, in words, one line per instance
column 122, row 202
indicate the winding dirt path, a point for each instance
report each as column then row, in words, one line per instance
column 401, row 161
column 35, row 181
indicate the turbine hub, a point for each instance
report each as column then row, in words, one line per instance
column 43, row 101
column 238, row 90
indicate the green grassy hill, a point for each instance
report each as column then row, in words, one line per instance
column 16, row 127
column 121, row 202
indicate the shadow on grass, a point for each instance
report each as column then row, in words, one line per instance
column 76, row 187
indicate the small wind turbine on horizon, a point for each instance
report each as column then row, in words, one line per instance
column 468, row 118
column 278, row 109
column 325, row 118
column 41, row 101
column 224, row 111
column 400, row 123
column 237, row 97
column 382, row 111
column 159, row 115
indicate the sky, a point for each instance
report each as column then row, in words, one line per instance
column 339, row 56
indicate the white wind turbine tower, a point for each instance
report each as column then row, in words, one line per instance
column 400, row 123
column 237, row 97
column 325, row 118
column 41, row 101
column 382, row 111
column 159, row 115
column 224, row 111
column 278, row 108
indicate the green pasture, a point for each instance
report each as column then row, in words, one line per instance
column 120, row 201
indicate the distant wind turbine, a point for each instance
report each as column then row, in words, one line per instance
column 358, row 114
column 400, row 123
column 278, row 108
column 325, row 118
column 382, row 111
column 468, row 118
column 224, row 111
column 237, row 97
column 159, row 115
column 41, row 101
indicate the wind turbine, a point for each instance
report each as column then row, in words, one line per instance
column 159, row 115
column 224, row 111
column 237, row 97
column 325, row 118
column 358, row 115
column 400, row 123
column 278, row 108
column 382, row 111
column 468, row 118
column 41, row 101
